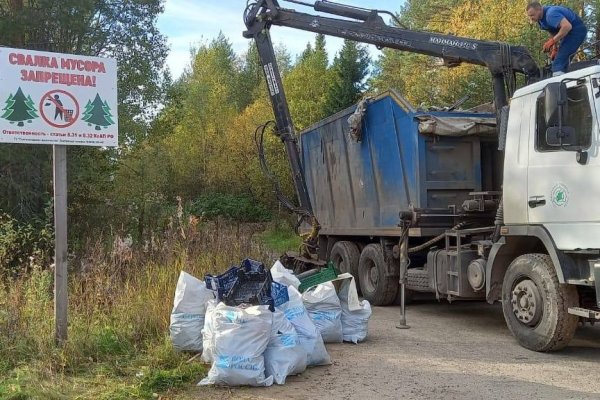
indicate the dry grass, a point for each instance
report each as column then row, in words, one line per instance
column 120, row 300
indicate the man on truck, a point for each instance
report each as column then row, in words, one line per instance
column 567, row 32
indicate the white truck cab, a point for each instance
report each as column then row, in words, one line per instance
column 545, row 184
column 546, row 267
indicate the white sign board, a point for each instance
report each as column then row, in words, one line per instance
column 52, row 98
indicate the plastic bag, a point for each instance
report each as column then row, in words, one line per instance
column 324, row 309
column 240, row 337
column 186, row 331
column 208, row 333
column 284, row 276
column 284, row 355
column 187, row 316
column 310, row 337
column 355, row 323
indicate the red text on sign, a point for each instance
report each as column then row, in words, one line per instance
column 72, row 64
column 32, row 61
column 57, row 78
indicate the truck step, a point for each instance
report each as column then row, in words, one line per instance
column 584, row 312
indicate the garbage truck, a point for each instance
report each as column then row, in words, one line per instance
column 497, row 206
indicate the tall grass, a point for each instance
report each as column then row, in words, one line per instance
column 120, row 298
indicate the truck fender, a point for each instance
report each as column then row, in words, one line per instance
column 518, row 241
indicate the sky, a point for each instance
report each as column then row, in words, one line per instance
column 188, row 23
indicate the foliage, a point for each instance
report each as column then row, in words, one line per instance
column 241, row 208
column 280, row 236
column 22, row 244
column 308, row 84
column 425, row 82
column 349, row 71
column 125, row 30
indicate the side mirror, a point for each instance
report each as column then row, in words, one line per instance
column 560, row 136
column 555, row 103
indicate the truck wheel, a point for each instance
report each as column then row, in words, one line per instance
column 376, row 287
column 345, row 256
column 535, row 304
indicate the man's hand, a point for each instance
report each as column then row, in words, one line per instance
column 553, row 52
column 548, row 45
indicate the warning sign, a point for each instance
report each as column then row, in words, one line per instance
column 63, row 105
column 52, row 98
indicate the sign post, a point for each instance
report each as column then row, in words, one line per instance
column 59, row 100
column 60, row 251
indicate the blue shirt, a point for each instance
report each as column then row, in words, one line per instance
column 554, row 14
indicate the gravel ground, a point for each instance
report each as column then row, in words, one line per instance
column 452, row 351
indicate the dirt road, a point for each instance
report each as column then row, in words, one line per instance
column 452, row 351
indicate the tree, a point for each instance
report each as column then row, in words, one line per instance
column 349, row 70
column 209, row 101
column 250, row 77
column 424, row 80
column 125, row 30
column 97, row 113
column 307, row 85
column 19, row 108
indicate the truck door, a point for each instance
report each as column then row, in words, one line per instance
column 562, row 193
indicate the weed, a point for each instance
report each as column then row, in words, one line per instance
column 279, row 237
column 119, row 310
column 163, row 380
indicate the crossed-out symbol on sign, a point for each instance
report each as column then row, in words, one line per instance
column 55, row 100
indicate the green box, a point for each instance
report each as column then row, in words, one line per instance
column 326, row 274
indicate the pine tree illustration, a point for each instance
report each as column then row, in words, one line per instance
column 97, row 113
column 19, row 108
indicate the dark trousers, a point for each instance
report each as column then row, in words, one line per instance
column 568, row 47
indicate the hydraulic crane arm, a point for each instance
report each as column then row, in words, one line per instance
column 367, row 26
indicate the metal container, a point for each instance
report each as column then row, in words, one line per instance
column 404, row 158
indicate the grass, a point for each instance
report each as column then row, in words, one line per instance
column 119, row 307
column 280, row 237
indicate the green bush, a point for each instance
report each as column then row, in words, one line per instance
column 23, row 244
column 241, row 208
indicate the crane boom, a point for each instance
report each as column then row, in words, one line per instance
column 367, row 26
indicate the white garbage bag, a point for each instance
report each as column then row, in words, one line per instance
column 284, row 355
column 187, row 316
column 241, row 336
column 355, row 322
column 324, row 309
column 310, row 337
column 208, row 333
column 284, row 276
column 186, row 331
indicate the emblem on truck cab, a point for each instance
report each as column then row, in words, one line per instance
column 560, row 195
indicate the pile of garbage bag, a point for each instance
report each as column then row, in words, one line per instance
column 254, row 326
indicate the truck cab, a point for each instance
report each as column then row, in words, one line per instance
column 549, row 184
column 545, row 268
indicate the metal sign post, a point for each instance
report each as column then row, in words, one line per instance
column 60, row 250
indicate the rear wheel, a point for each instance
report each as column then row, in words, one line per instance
column 536, row 305
column 345, row 256
column 375, row 285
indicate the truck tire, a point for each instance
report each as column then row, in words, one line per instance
column 345, row 256
column 535, row 304
column 376, row 287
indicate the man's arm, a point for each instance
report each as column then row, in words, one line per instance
column 565, row 27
